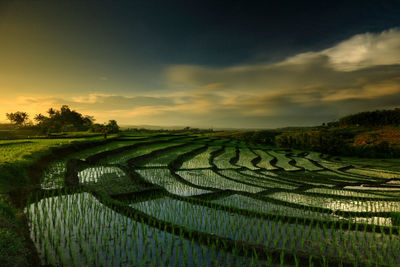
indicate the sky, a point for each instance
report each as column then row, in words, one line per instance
column 218, row 64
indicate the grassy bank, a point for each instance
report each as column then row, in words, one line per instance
column 13, row 134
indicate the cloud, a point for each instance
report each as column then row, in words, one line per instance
column 111, row 102
column 367, row 91
column 360, row 51
column 360, row 73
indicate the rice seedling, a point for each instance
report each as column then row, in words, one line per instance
column 201, row 160
column 342, row 192
column 265, row 161
column 194, row 201
column 344, row 176
column 223, row 161
column 375, row 173
column 315, row 156
column 283, row 161
column 53, row 175
column 95, row 235
column 109, row 179
column 248, row 203
column 306, row 164
column 258, row 231
column 246, row 158
column 255, row 179
column 210, row 179
column 356, row 205
column 164, row 178
column 165, row 158
column 375, row 189
column 123, row 157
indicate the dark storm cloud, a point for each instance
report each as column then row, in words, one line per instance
column 361, row 72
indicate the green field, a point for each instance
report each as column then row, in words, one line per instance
column 176, row 200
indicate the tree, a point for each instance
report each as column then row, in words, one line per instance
column 40, row 118
column 19, row 117
column 112, row 126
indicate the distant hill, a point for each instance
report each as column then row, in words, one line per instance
column 177, row 127
column 365, row 134
column 372, row 118
column 150, row 127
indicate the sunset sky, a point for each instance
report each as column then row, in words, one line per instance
column 241, row 64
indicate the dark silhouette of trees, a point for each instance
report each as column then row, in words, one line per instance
column 57, row 121
column 64, row 119
column 372, row 118
column 19, row 118
column 110, row 127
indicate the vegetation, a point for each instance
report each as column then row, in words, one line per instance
column 368, row 134
column 110, row 127
column 372, row 118
column 63, row 120
column 299, row 207
column 19, row 118
column 58, row 123
column 193, row 199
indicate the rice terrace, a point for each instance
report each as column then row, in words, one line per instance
column 196, row 200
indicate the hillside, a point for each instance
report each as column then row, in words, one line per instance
column 366, row 134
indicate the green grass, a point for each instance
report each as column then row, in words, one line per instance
column 28, row 150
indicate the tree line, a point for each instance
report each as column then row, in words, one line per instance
column 62, row 120
column 372, row 118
